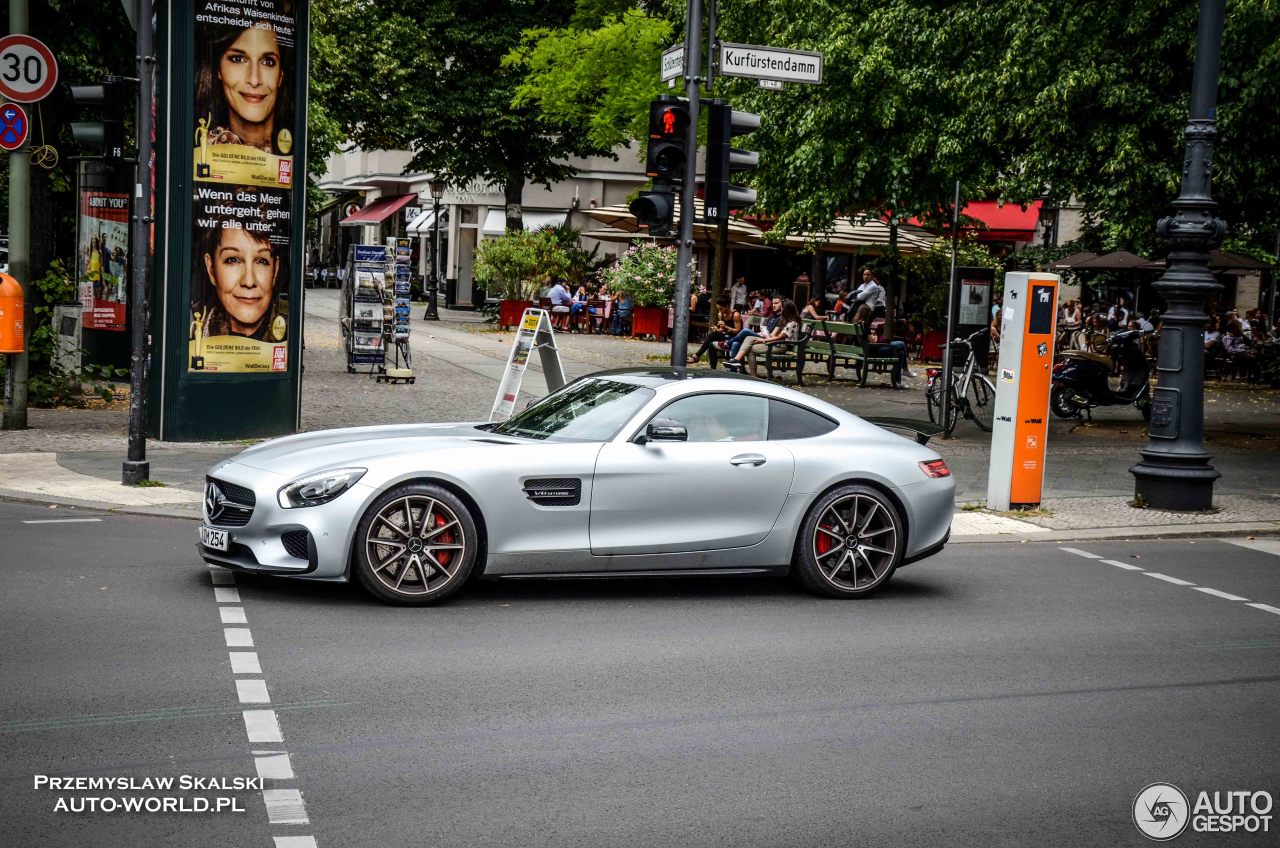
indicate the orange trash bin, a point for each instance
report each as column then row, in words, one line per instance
column 12, row 338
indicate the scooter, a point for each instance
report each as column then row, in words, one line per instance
column 1081, row 380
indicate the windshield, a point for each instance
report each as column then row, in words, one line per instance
column 591, row 409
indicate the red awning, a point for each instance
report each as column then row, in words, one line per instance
column 379, row 210
column 999, row 223
column 1004, row 223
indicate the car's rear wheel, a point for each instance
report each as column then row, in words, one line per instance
column 850, row 543
column 416, row 545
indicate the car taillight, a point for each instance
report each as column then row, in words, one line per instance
column 936, row 468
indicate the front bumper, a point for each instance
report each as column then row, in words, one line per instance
column 312, row 542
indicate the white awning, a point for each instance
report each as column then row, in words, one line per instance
column 421, row 225
column 495, row 222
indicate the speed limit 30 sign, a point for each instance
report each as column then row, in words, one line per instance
column 28, row 71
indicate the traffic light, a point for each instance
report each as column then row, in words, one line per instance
column 113, row 97
column 723, row 160
column 668, row 122
column 667, row 161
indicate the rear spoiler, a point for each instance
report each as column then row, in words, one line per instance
column 922, row 430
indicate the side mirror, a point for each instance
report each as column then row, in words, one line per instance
column 665, row 430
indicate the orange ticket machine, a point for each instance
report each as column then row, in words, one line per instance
column 1024, row 373
column 12, row 339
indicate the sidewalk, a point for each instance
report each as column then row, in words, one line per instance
column 73, row 457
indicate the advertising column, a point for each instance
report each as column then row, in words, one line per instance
column 231, row 245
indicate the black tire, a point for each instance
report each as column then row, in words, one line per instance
column 1061, row 404
column 842, row 550
column 981, row 397
column 933, row 399
column 433, row 562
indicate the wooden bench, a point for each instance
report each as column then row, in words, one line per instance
column 851, row 353
column 786, row 356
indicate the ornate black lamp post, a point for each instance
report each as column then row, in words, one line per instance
column 433, row 284
column 1175, row 473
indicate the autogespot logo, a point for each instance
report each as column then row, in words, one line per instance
column 1160, row 811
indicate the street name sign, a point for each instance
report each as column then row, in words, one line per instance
column 13, row 126
column 673, row 62
column 28, row 71
column 771, row 63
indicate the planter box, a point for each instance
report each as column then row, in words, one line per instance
column 649, row 321
column 931, row 347
column 510, row 312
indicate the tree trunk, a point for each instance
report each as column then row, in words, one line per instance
column 513, row 192
column 891, row 281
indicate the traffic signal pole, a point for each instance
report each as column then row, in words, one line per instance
column 15, row 377
column 136, row 468
column 684, row 253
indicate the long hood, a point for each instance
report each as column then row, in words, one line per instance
column 353, row 446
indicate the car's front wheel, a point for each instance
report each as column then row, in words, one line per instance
column 850, row 543
column 416, row 545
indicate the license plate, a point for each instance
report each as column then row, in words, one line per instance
column 212, row 537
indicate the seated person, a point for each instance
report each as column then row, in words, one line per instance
column 815, row 309
column 728, row 325
column 561, row 304
column 787, row 329
column 736, row 342
column 622, row 306
column 895, row 348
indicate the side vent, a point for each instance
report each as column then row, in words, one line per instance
column 554, row 491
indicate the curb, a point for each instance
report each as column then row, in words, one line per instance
column 99, row 506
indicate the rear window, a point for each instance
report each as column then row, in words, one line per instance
column 788, row 421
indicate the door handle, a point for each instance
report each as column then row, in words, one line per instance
column 748, row 459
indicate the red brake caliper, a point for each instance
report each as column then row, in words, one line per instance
column 445, row 557
column 823, row 542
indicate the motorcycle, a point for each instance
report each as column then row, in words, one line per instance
column 1082, row 379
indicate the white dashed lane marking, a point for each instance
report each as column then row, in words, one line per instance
column 1226, row 596
column 1166, row 578
column 63, row 521
column 284, row 804
column 1217, row 594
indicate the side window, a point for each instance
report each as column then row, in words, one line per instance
column 788, row 421
column 721, row 417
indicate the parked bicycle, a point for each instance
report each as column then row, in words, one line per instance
column 971, row 394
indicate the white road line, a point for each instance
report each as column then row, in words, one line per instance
column 232, row 615
column 1166, row 578
column 245, row 662
column 252, row 691
column 1118, row 564
column 1218, row 594
column 1079, row 552
column 273, row 765
column 1267, row 546
column 1265, row 608
column 226, row 596
column 221, row 577
column 62, row 521
column 295, row 842
column 285, row 806
column 261, row 725
column 238, row 637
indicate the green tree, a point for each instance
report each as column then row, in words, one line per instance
column 429, row 77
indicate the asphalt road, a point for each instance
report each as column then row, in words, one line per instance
column 997, row 694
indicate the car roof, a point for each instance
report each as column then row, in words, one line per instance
column 657, row 375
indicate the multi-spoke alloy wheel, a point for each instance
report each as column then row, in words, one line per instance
column 850, row 542
column 416, row 545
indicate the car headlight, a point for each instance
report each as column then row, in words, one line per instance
column 316, row 489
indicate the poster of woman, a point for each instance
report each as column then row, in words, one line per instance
column 238, row 282
column 244, row 112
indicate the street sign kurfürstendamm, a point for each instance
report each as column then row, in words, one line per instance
column 772, row 63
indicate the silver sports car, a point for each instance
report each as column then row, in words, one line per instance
column 653, row 471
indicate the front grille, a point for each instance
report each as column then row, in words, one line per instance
column 226, row 504
column 295, row 543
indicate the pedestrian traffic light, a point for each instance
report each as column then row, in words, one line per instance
column 723, row 161
column 656, row 210
column 113, row 98
column 668, row 125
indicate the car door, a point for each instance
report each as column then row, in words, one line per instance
column 723, row 488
